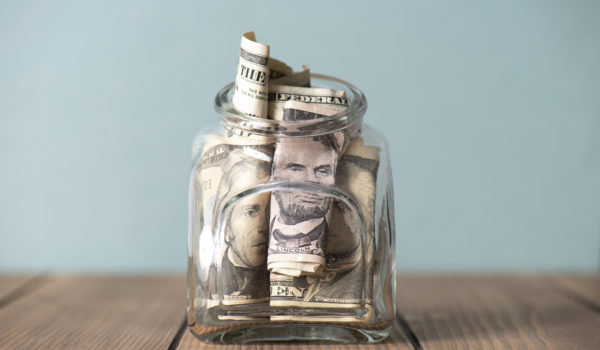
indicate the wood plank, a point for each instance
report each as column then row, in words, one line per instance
column 396, row 341
column 96, row 313
column 495, row 312
column 445, row 312
column 586, row 288
column 10, row 283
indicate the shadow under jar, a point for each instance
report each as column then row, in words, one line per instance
column 240, row 200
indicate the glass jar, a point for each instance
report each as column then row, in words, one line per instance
column 319, row 190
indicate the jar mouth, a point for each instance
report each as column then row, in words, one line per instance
column 352, row 116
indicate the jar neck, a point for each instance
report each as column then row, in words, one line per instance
column 348, row 120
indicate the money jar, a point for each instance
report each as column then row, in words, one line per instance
column 291, row 222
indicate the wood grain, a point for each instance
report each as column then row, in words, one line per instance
column 444, row 312
column 483, row 312
column 96, row 313
column 584, row 288
column 10, row 283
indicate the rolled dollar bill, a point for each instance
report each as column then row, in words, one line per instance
column 346, row 281
column 252, row 79
column 299, row 219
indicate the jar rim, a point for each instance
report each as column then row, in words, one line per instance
column 239, row 122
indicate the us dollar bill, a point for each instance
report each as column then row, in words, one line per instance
column 252, row 79
column 357, row 176
column 228, row 166
column 346, row 281
column 300, row 219
column 244, row 273
column 328, row 98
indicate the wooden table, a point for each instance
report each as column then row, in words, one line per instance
column 435, row 312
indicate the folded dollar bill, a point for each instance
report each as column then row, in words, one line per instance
column 346, row 281
column 299, row 219
column 230, row 165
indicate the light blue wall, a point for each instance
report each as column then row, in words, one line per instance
column 492, row 110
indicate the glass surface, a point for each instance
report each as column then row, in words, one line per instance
column 234, row 188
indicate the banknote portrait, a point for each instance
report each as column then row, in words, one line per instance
column 309, row 162
column 299, row 221
column 244, row 274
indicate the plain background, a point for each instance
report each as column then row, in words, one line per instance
column 491, row 109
